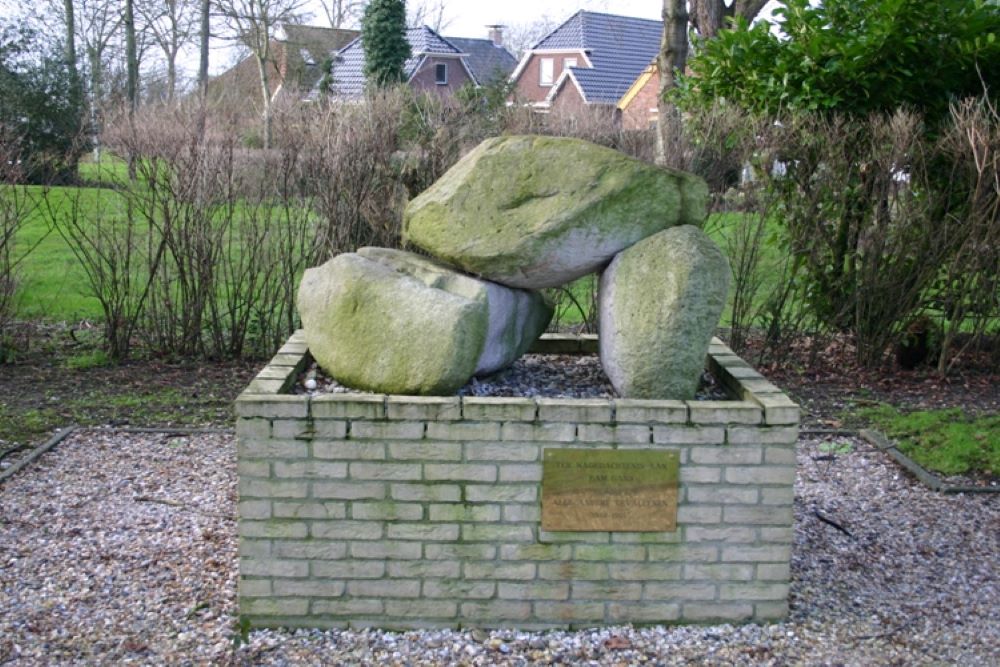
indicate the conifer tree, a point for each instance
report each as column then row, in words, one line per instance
column 383, row 32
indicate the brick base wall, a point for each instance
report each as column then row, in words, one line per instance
column 397, row 511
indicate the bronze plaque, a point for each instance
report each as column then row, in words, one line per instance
column 609, row 490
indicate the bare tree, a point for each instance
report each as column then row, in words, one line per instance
column 342, row 13
column 253, row 23
column 430, row 13
column 171, row 25
column 673, row 56
column 131, row 58
column 204, row 35
column 709, row 16
column 519, row 37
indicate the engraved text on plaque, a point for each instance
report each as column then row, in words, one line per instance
column 609, row 489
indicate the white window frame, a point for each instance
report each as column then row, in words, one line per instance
column 437, row 69
column 543, row 65
column 569, row 62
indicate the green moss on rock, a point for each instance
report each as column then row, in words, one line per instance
column 531, row 211
column 660, row 302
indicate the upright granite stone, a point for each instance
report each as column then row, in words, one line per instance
column 660, row 302
column 533, row 212
column 390, row 321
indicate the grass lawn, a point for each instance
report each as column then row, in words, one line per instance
column 949, row 441
column 54, row 284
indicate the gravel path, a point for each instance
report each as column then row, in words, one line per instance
column 119, row 548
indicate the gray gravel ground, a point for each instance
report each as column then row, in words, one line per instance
column 119, row 548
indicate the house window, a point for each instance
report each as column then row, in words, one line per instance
column 441, row 73
column 569, row 62
column 546, row 71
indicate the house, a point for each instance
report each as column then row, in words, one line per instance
column 296, row 64
column 436, row 64
column 597, row 61
column 638, row 107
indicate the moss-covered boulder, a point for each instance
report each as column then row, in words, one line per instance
column 660, row 301
column 515, row 317
column 530, row 211
column 394, row 322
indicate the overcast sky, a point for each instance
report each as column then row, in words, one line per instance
column 470, row 16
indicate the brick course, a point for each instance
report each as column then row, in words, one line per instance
column 395, row 511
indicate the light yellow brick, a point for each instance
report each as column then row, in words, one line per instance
column 388, row 588
column 386, row 430
column 460, row 472
column 426, row 451
column 643, row 612
column 724, row 412
column 760, row 475
column 348, row 406
column 496, row 610
column 716, row 611
column 498, row 409
column 576, row 410
column 349, row 450
column 689, row 435
column 638, row 411
column 536, row 590
column 346, row 530
column 426, row 492
column 463, row 431
column 440, row 532
column 424, row 408
column 387, row 511
column 544, row 432
column 459, row 589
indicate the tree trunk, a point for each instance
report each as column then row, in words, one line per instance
column 94, row 58
column 132, row 77
column 265, row 90
column 206, row 7
column 709, row 16
column 171, row 77
column 672, row 58
column 76, row 88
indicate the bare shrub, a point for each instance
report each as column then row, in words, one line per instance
column 589, row 123
column 16, row 208
column 226, row 233
column 967, row 294
column 349, row 163
column 118, row 256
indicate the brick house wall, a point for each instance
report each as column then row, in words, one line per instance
column 640, row 112
column 528, row 89
column 425, row 78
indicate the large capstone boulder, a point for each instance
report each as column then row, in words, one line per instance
column 394, row 322
column 530, row 211
column 660, row 302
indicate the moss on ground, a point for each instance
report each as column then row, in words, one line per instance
column 949, row 441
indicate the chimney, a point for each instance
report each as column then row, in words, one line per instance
column 496, row 34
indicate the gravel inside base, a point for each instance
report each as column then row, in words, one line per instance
column 120, row 548
column 531, row 375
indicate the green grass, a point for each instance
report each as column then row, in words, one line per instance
column 53, row 284
column 944, row 441
column 109, row 170
column 721, row 228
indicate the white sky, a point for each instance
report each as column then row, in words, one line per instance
column 469, row 17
